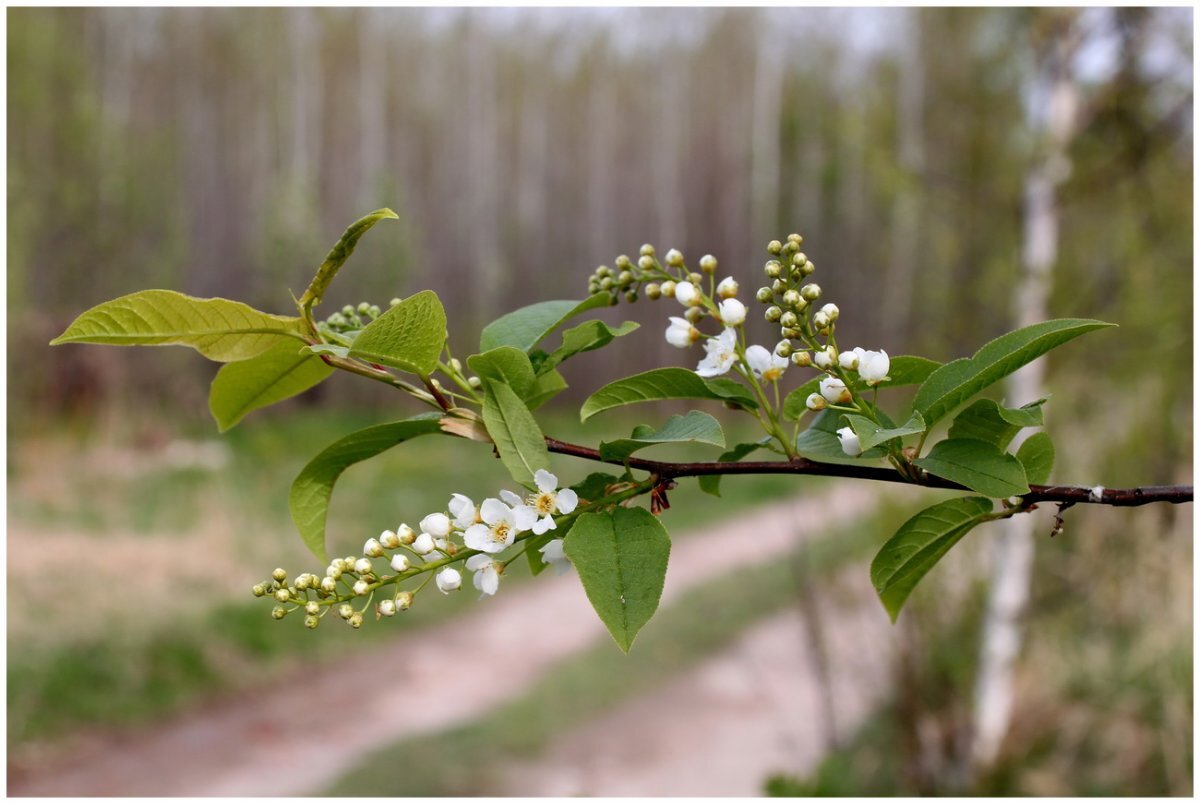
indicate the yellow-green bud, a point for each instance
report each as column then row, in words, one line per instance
column 631, row 296
column 279, row 612
column 694, row 314
column 404, row 601
column 695, row 278
column 279, row 574
column 603, row 271
column 355, row 620
column 816, row 402
column 674, row 258
column 606, row 283
column 312, row 607
column 623, row 263
column 475, row 382
column 802, row 359
column 646, row 250
column 799, row 258
column 668, row 288
column 795, row 238
column 792, row 298
column 283, row 595
column 783, row 348
column 811, row 292
column 708, row 264
column 348, row 310
column 345, row 611
column 625, row 278
column 773, row 269
column 774, row 247
column 394, row 302
column 807, row 269
column 773, row 314
column 328, row 584
column 764, row 295
column 789, row 320
column 646, row 263
column 653, row 291
column 259, row 590
column 363, row 307
column 311, row 621
column 821, row 320
column 778, row 286
column 789, row 332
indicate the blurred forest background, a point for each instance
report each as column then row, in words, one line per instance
column 222, row 151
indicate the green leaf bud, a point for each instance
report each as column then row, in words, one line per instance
column 675, row 258
column 668, row 288
column 789, row 320
column 764, row 295
column 345, row 611
column 348, row 310
column 355, row 620
column 646, row 250
column 811, row 292
column 259, row 590
column 653, row 291
column 795, row 238
column 773, row 314
column 773, row 269
column 774, row 247
column 625, row 278
column 792, row 298
column 279, row 612
column 279, row 574
column 783, row 348
column 624, row 263
column 311, row 622
column 802, row 359
column 708, row 264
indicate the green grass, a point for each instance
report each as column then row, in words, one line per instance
column 462, row 761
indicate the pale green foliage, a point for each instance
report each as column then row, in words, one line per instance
column 525, row 328
column 664, row 383
column 979, row 465
column 518, row 438
column 692, row 426
column 282, row 371
column 410, row 336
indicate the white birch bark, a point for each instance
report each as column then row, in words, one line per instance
column 1052, row 111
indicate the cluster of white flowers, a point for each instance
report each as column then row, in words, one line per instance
column 489, row 528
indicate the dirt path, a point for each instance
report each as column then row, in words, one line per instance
column 262, row 743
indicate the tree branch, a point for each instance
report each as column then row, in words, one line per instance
column 1096, row 495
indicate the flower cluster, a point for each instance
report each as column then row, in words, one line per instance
column 463, row 530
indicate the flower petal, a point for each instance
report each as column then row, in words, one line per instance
column 566, row 500
column 494, row 512
column 544, row 480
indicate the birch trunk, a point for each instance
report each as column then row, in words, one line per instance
column 1052, row 110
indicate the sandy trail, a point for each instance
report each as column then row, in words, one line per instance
column 262, row 743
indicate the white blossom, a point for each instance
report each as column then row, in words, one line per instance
column 436, row 525
column 831, row 311
column 389, row 540
column 462, row 508
column 849, row 360
column 400, row 562
column 487, row 573
column 681, row 333
column 373, row 548
column 387, row 608
column 764, row 363
column 687, row 294
column 553, row 554
column 721, row 354
column 362, row 566
column 834, row 390
column 423, row 545
column 498, row 529
column 732, row 312
column 360, row 587
column 825, row 358
column 816, row 402
column 448, row 579
column 849, row 440
column 727, row 288
column 549, row 500
column 873, row 366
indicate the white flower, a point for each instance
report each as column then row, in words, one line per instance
column 834, row 390
column 498, row 529
column 462, row 508
column 373, row 548
column 732, row 312
column 687, row 294
column 360, row 587
column 400, row 562
column 849, row 440
column 831, row 311
column 849, row 360
column 447, row 580
column 816, row 402
column 727, row 288
column 405, row 534
column 721, row 354
column 765, row 364
column 681, row 333
column 549, row 500
column 825, row 358
column 423, row 545
column 553, row 554
column 389, row 540
column 873, row 366
column 362, row 566
column 436, row 525
column 387, row 608
column 487, row 573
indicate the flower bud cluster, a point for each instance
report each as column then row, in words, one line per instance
column 630, row 279
column 352, row 318
column 463, row 531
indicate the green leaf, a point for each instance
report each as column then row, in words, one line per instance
column 908, row 370
column 594, row 486
column 957, row 381
column 987, row 420
column 341, row 252
column 328, row 349
column 533, row 551
column 548, row 386
column 507, row 365
column 979, row 465
column 525, row 328
column 871, row 434
column 795, row 404
column 219, row 329
column 1036, row 454
column 584, row 338
column 312, row 488
column 409, row 336
column 920, row 543
column 711, row 484
column 664, row 383
column 621, row 558
column 692, row 426
column 820, row 442
column 518, row 438
column 282, row 371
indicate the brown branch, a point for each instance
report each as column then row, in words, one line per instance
column 801, row 466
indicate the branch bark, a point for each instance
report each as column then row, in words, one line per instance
column 1079, row 495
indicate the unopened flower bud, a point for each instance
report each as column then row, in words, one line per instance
column 694, row 314
column 791, row 333
column 873, row 366
column 826, row 358
column 448, row 579
column 623, row 263
column 674, row 258
column 779, row 286
column 764, row 295
column 727, row 288
column 400, row 562
column 695, row 278
column 774, row 247
column 405, row 534
column 795, row 238
column 301, row 582
column 606, row 283
column 802, row 359
column 834, row 391
column 731, row 312
column 312, row 621
column 631, row 296
column 625, row 278
column 373, row 548
column 348, row 310
column 279, row 612
column 783, row 348
column 708, row 264
column 361, row 587
column 328, row 584
column 279, row 574
column 283, row 595
column 475, row 382
column 821, row 321
column 259, row 590
column 646, row 263
column 374, row 311
column 362, row 566
column 848, row 360
column 387, row 608
column 792, row 298
column 849, row 441
column 789, row 319
column 773, row 314
column 831, row 310
column 653, row 291
column 394, row 302
column 389, row 540
column 807, row 268
column 773, row 269
column 355, row 620
column 646, row 250
column 345, row 611
column 363, row 307
column 811, row 292
column 424, row 544
column 816, row 402
column 404, row 601
column 668, row 288
column 312, row 607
